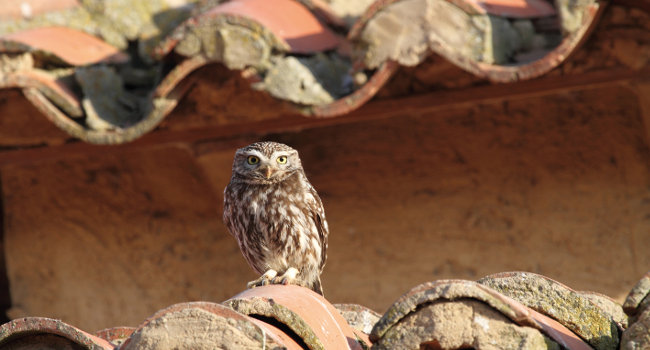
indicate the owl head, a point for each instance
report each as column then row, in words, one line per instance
column 265, row 162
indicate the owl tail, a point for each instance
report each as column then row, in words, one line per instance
column 316, row 286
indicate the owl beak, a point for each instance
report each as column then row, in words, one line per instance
column 268, row 171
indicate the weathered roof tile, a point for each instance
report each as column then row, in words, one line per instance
column 289, row 53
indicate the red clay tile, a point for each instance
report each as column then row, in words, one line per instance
column 16, row 9
column 514, row 8
column 33, row 326
column 304, row 308
column 287, row 19
column 73, row 47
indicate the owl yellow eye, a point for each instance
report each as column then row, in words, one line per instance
column 282, row 159
column 252, row 160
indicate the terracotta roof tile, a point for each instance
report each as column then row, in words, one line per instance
column 71, row 46
column 288, row 20
column 453, row 314
column 515, row 8
column 309, row 315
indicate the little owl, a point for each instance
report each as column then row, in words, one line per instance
column 276, row 216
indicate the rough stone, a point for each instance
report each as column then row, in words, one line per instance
column 637, row 336
column 407, row 30
column 108, row 105
column 639, row 297
column 349, row 11
column 461, row 324
column 234, row 45
column 316, row 80
column 561, row 303
column 572, row 13
column 358, row 317
column 15, row 62
column 610, row 306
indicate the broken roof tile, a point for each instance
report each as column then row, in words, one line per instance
column 71, row 46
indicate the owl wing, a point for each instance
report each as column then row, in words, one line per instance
column 228, row 210
column 318, row 215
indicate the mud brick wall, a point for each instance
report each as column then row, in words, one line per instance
column 556, row 184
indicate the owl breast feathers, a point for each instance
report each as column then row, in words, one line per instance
column 276, row 216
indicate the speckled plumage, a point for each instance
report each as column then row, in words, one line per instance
column 276, row 216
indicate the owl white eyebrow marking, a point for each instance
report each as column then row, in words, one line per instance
column 279, row 153
column 254, row 152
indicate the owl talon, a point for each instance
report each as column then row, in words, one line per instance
column 289, row 277
column 266, row 279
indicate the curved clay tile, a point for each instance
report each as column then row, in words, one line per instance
column 312, row 318
column 204, row 325
column 70, row 46
column 50, row 86
column 292, row 56
column 462, row 314
column 560, row 302
column 47, row 333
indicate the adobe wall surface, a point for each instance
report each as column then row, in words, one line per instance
column 558, row 185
